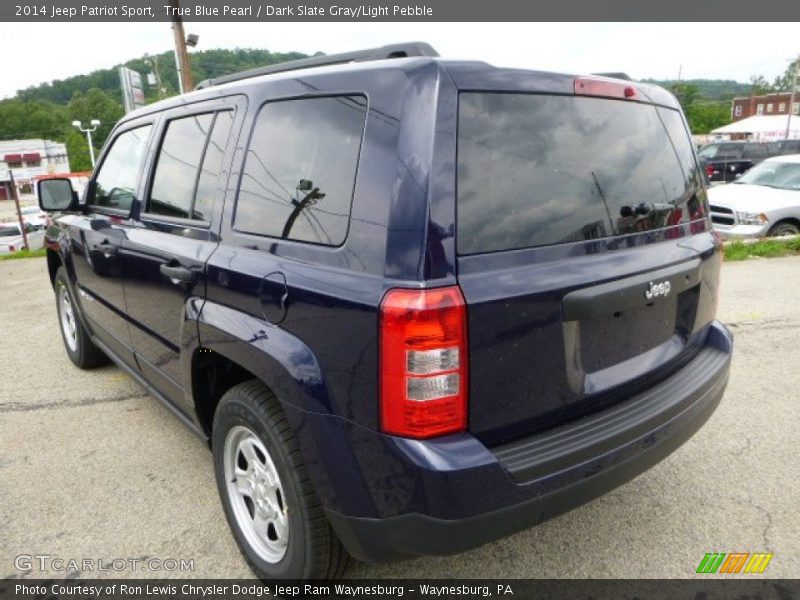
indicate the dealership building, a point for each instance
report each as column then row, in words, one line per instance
column 27, row 159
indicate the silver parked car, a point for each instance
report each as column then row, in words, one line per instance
column 765, row 201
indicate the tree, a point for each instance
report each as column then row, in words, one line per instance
column 759, row 85
column 94, row 104
column 785, row 82
column 706, row 116
column 686, row 93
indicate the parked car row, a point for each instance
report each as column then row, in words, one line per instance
column 765, row 201
column 725, row 161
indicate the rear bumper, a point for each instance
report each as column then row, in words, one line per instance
column 534, row 479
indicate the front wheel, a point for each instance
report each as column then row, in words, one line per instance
column 79, row 345
column 270, row 506
column 784, row 228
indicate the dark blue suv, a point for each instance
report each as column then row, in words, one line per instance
column 414, row 305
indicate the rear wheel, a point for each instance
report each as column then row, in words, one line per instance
column 784, row 228
column 79, row 345
column 271, row 508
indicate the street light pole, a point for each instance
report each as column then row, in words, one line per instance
column 88, row 131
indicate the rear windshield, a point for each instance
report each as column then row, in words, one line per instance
column 535, row 170
column 8, row 230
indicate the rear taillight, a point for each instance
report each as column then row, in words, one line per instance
column 423, row 362
column 709, row 171
column 591, row 86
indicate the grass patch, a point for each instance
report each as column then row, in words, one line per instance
column 24, row 254
column 763, row 249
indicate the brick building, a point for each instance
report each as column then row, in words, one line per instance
column 765, row 104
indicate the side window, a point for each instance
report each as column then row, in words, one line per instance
column 727, row 151
column 188, row 165
column 117, row 178
column 755, row 151
column 212, row 166
column 300, row 169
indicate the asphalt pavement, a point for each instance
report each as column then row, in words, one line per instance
column 91, row 467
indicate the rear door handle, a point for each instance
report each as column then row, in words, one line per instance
column 177, row 273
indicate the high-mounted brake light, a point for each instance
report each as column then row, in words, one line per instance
column 423, row 362
column 590, row 86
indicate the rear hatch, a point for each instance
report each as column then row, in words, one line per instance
column 585, row 253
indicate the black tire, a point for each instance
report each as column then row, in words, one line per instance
column 81, row 350
column 783, row 228
column 313, row 551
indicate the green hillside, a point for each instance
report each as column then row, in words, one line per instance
column 205, row 64
column 46, row 110
column 711, row 89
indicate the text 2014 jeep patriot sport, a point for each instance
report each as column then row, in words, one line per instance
column 413, row 304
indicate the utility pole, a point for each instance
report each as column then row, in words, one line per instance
column 792, row 97
column 15, row 195
column 181, row 54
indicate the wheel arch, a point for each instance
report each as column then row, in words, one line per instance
column 233, row 346
column 54, row 262
column 792, row 220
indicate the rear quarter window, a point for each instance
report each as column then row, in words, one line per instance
column 300, row 169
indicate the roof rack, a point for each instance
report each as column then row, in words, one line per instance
column 384, row 52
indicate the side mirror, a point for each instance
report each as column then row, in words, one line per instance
column 56, row 195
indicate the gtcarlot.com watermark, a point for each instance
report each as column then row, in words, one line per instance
column 49, row 563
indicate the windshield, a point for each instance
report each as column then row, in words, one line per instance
column 536, row 169
column 708, row 151
column 8, row 230
column 775, row 174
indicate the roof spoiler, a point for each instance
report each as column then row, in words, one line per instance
column 624, row 76
column 403, row 50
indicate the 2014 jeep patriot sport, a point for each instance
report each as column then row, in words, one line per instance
column 414, row 305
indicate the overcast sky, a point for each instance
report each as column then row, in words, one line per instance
column 35, row 53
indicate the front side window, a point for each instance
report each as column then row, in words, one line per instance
column 300, row 170
column 118, row 176
column 728, row 151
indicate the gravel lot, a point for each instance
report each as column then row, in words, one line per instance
column 93, row 467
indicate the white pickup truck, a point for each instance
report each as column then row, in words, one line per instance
column 11, row 238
